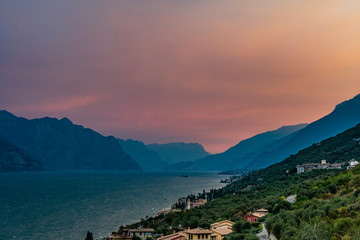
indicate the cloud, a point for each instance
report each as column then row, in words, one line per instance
column 58, row 105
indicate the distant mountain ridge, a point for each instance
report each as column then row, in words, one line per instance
column 240, row 155
column 14, row 159
column 62, row 145
column 147, row 159
column 179, row 151
column 340, row 148
column 344, row 116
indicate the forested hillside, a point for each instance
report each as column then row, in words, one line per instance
column 326, row 196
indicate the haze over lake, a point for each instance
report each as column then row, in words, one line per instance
column 64, row 205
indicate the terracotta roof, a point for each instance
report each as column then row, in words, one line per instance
column 262, row 210
column 222, row 222
column 252, row 214
column 198, row 231
column 173, row 236
column 223, row 231
column 257, row 215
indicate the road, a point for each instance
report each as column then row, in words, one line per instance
column 264, row 234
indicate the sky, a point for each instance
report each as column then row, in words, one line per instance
column 207, row 71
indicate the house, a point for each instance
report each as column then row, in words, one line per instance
column 127, row 234
column 221, row 229
column 143, row 233
column 312, row 166
column 352, row 163
column 199, row 233
column 119, row 236
column 175, row 236
column 224, row 223
column 261, row 212
column 252, row 217
column 221, row 233
column 195, row 204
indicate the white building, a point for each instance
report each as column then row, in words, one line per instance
column 352, row 163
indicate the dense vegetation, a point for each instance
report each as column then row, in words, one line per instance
column 234, row 206
column 327, row 200
column 326, row 209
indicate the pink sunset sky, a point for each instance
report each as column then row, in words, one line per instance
column 207, row 71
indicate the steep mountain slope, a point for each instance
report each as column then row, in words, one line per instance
column 179, row 152
column 345, row 116
column 13, row 159
column 242, row 153
column 146, row 158
column 341, row 148
column 61, row 145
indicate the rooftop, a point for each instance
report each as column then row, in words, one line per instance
column 222, row 222
column 198, row 231
column 172, row 236
column 262, row 210
column 223, row 231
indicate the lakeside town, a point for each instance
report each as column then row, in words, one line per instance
column 221, row 229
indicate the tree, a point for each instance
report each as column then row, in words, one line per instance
column 251, row 237
column 89, row 236
column 136, row 238
column 316, row 229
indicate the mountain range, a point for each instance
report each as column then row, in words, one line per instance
column 227, row 159
column 62, row 145
column 179, row 151
column 14, row 159
column 53, row 144
column 148, row 159
column 344, row 116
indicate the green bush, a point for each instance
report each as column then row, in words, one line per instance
column 357, row 192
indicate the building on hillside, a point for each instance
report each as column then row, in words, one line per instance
column 220, row 233
column 221, row 229
column 199, row 234
column 261, row 212
column 313, row 166
column 175, row 236
column 195, row 204
column 252, row 217
column 143, row 233
column 352, row 163
column 221, row 224
column 119, row 236
column 127, row 234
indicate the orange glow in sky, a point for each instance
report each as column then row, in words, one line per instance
column 213, row 72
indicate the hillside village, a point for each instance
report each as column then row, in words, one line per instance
column 217, row 231
column 224, row 228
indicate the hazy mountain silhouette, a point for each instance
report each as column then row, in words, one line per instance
column 14, row 159
column 181, row 166
column 61, row 145
column 179, row 152
column 242, row 153
column 344, row 116
column 146, row 158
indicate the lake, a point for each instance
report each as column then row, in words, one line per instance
column 65, row 205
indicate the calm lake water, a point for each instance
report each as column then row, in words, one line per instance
column 64, row 205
